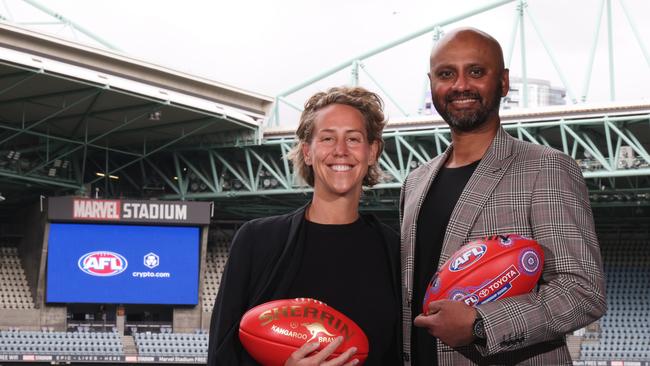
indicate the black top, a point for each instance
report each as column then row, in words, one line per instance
column 432, row 225
column 261, row 267
column 347, row 267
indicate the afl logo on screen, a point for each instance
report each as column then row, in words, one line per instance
column 467, row 257
column 102, row 264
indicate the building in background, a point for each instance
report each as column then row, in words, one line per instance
column 540, row 94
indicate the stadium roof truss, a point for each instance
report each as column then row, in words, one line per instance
column 73, row 118
column 609, row 144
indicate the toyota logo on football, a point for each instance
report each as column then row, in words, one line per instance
column 102, row 264
column 466, row 258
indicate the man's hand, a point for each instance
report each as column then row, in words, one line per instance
column 301, row 357
column 450, row 321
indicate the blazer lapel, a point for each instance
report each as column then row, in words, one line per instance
column 478, row 190
column 417, row 191
column 420, row 190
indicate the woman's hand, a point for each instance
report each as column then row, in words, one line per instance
column 301, row 357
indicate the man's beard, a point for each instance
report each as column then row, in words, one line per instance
column 469, row 120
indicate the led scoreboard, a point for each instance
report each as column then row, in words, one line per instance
column 123, row 252
column 125, row 264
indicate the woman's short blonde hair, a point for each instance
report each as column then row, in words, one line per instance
column 368, row 103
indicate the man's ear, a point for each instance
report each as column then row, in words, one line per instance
column 505, row 82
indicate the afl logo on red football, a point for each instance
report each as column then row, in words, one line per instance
column 469, row 256
column 102, row 264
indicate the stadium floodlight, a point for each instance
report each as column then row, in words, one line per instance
column 100, row 174
column 226, row 185
column 13, row 155
column 155, row 116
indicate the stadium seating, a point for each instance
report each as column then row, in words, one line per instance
column 14, row 290
column 172, row 344
column 60, row 343
column 215, row 263
column 625, row 329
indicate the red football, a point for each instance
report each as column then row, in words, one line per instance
column 486, row 270
column 272, row 331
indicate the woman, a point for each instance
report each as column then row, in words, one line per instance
column 325, row 250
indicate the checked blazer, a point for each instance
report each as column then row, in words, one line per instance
column 526, row 189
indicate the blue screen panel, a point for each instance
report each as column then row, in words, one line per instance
column 122, row 264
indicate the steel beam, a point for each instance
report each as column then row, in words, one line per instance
column 95, row 138
column 418, row 33
column 551, row 55
column 48, row 182
column 198, row 173
column 183, row 136
column 43, row 120
column 69, row 22
column 592, row 54
column 610, row 48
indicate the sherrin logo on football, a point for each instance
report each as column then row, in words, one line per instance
column 304, row 310
column 102, row 263
column 270, row 332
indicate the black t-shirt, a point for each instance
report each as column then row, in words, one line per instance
column 432, row 225
column 347, row 267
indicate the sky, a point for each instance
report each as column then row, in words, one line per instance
column 271, row 46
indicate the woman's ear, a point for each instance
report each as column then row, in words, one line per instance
column 305, row 153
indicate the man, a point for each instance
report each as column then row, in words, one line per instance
column 488, row 183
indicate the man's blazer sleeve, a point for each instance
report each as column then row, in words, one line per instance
column 572, row 287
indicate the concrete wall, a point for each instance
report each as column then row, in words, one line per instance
column 187, row 319
column 39, row 300
column 51, row 315
column 205, row 321
column 54, row 316
column 32, row 222
column 26, row 319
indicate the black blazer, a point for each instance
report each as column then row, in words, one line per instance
column 261, row 266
